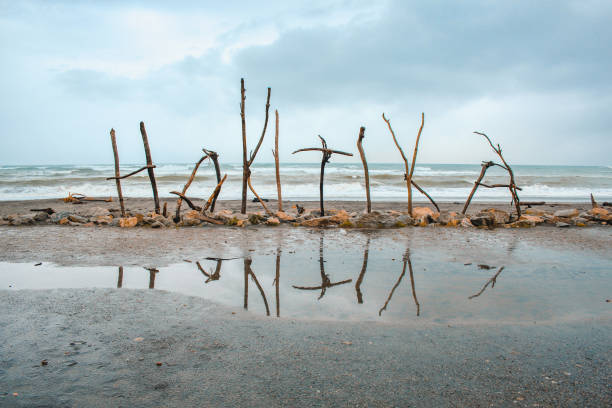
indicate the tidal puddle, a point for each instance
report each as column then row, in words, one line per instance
column 380, row 280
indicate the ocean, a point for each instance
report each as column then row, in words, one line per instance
column 300, row 181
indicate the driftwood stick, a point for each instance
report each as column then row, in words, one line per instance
column 46, row 210
column 180, row 199
column 483, row 170
column 258, row 198
column 165, row 210
column 492, row 280
column 117, row 174
column 324, row 150
column 246, row 283
column 187, row 200
column 365, row 168
column 498, row 185
column 593, row 202
column 120, row 278
column 530, row 203
column 408, row 183
column 145, row 142
column 364, row 266
column 414, row 155
column 276, row 165
column 214, row 195
column 425, row 194
column 247, row 265
column 245, row 163
column 202, row 270
column 132, row 173
column 214, row 156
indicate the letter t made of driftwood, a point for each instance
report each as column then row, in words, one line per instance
column 325, row 159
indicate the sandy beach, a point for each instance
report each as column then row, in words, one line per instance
column 104, row 344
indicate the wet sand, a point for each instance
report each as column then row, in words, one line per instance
column 216, row 355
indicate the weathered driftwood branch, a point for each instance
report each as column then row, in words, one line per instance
column 498, row 185
column 246, row 163
column 187, row 200
column 145, row 142
column 259, row 198
column 365, row 168
column 593, row 202
column 117, row 174
column 325, row 159
column 409, row 170
column 425, row 194
column 276, row 165
column 364, row 266
column 213, row 197
column 512, row 185
column 187, row 184
column 215, row 159
column 483, row 170
column 132, row 173
column 46, row 210
column 248, row 271
column 492, row 281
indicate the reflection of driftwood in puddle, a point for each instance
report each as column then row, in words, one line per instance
column 212, row 276
column 407, row 262
column 325, row 281
column 491, row 281
column 248, row 271
column 277, row 281
column 363, row 271
column 152, row 273
column 120, row 278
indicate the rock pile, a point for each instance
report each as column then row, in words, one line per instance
column 422, row 217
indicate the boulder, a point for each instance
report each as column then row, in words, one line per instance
column 532, row 218
column 450, row 219
column 104, row 220
column 375, row 219
column 599, row 213
column 485, row 220
column 167, row 222
column 569, row 213
column 317, row 222
column 533, row 211
column 420, row 212
column 466, row 223
column 128, row 222
column 78, row 219
column 273, row 221
column 41, row 216
column 27, row 219
column 562, row 224
column 56, row 217
column 339, row 217
column 283, row 216
column 255, row 218
column 94, row 212
column 157, row 224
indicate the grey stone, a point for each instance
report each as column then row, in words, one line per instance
column 78, row 219
column 562, row 225
column 157, row 224
column 570, row 213
column 482, row 221
column 60, row 215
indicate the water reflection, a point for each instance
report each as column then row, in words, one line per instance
column 325, row 281
column 406, row 260
column 539, row 284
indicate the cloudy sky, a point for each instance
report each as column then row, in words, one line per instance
column 534, row 75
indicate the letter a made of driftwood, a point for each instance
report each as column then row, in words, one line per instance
column 326, row 156
column 410, row 170
column 485, row 165
column 247, row 162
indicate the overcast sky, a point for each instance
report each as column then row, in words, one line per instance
column 535, row 75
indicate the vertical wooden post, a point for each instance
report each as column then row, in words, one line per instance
column 117, row 175
column 365, row 168
column 278, row 183
column 145, row 141
column 414, row 155
column 245, row 166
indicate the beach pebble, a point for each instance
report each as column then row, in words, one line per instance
column 562, row 225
